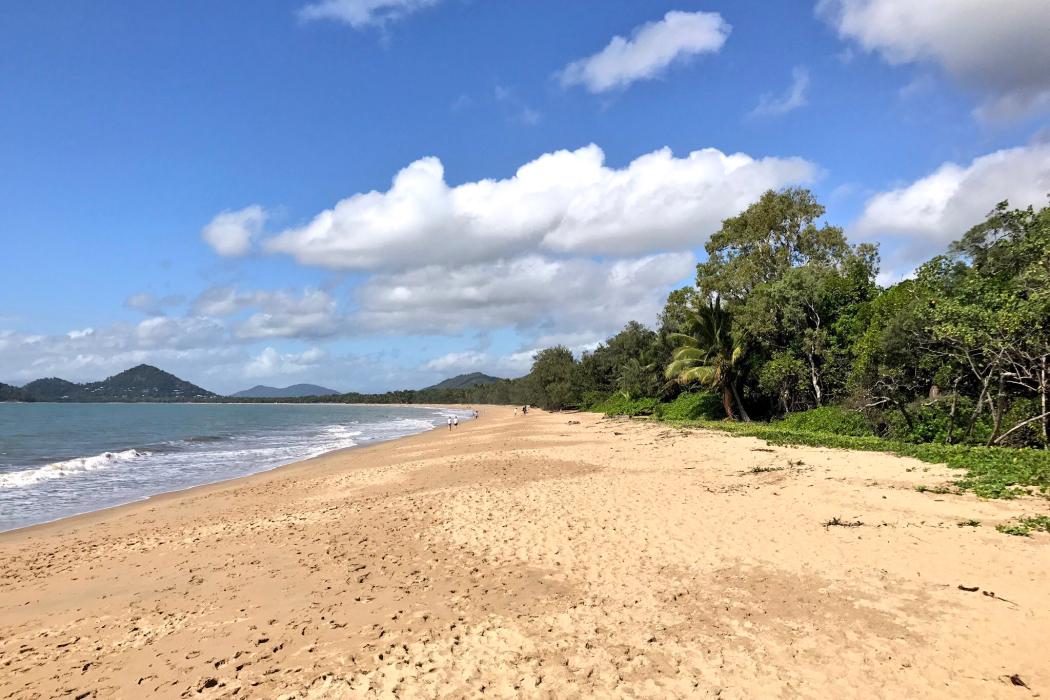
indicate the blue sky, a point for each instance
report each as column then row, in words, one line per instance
column 171, row 172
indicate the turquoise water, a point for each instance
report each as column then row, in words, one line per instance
column 58, row 460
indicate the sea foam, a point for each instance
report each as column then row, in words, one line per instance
column 69, row 467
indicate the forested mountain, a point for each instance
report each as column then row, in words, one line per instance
column 463, row 381
column 141, row 383
column 10, row 393
column 261, row 391
column 51, row 389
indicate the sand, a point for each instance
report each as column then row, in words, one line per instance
column 554, row 555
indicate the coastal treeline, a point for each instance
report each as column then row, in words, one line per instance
column 786, row 322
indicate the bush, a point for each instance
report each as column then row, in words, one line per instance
column 701, row 405
column 618, row 405
column 827, row 419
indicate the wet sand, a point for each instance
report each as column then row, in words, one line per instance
column 554, row 555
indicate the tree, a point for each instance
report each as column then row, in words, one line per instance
column 794, row 288
column 553, row 379
column 709, row 355
column 990, row 311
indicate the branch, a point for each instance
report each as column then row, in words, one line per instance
column 1020, row 425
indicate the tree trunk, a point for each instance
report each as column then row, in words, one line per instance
column 955, row 404
column 1043, row 377
column 727, row 403
column 814, row 378
column 998, row 409
column 743, row 411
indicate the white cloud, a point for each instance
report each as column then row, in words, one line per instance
column 313, row 313
column 651, row 49
column 271, row 363
column 363, row 13
column 567, row 201
column 999, row 49
column 152, row 305
column 793, row 98
column 943, row 205
column 531, row 293
column 467, row 361
column 231, row 232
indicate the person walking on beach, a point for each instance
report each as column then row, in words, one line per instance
column 455, row 421
column 450, row 422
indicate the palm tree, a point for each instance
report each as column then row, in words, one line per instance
column 709, row 355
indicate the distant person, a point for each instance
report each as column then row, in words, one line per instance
column 525, row 410
column 475, row 414
column 450, row 422
column 455, row 421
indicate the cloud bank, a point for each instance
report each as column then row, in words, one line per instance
column 942, row 206
column 565, row 202
column 999, row 50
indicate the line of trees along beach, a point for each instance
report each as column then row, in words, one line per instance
column 786, row 323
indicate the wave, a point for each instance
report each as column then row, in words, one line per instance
column 69, row 467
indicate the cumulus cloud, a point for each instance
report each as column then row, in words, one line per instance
column 567, row 201
column 271, row 363
column 999, row 50
column 363, row 13
column 230, row 233
column 943, row 205
column 793, row 98
column 531, row 293
column 651, row 49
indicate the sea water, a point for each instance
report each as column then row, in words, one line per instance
column 59, row 459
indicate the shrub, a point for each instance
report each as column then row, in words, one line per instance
column 619, row 405
column 827, row 419
column 700, row 405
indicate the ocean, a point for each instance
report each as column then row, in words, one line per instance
column 58, row 459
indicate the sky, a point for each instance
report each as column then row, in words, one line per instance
column 378, row 194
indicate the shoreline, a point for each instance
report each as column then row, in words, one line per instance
column 555, row 555
column 86, row 516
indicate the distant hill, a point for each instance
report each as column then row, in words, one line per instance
column 261, row 391
column 10, row 393
column 50, row 389
column 462, row 381
column 141, row 383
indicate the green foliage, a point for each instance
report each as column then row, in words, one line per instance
column 796, row 291
column 710, row 355
column 700, row 405
column 827, row 419
column 1024, row 526
column 553, row 379
column 620, row 405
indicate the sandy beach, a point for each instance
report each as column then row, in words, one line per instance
column 558, row 555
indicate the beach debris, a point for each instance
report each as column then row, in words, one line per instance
column 1016, row 680
column 839, row 522
column 574, row 422
column 969, row 589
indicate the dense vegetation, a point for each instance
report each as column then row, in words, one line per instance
column 10, row 393
column 786, row 322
